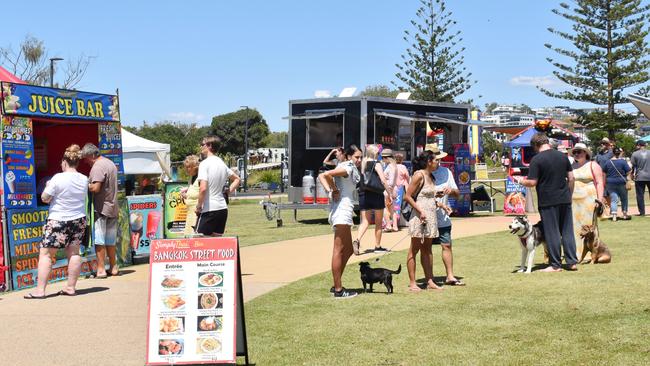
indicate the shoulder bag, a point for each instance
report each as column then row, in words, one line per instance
column 628, row 183
column 371, row 181
column 406, row 209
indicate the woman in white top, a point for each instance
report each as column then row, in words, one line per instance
column 66, row 222
column 340, row 183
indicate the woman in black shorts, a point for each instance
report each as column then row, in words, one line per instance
column 372, row 202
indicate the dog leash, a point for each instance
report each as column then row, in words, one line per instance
column 390, row 250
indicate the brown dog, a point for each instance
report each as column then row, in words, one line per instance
column 592, row 243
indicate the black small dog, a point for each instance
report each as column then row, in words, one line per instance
column 381, row 275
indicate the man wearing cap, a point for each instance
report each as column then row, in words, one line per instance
column 552, row 175
column 605, row 152
column 445, row 187
column 641, row 173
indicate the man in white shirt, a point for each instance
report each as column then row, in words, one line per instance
column 212, row 209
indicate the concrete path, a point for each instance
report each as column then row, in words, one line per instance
column 106, row 323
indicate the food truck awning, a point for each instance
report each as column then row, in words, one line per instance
column 317, row 114
column 642, row 104
column 420, row 118
column 142, row 156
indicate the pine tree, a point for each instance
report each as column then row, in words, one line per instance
column 433, row 67
column 609, row 55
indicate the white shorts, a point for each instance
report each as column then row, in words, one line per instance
column 341, row 213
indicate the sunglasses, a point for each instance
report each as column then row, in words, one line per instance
column 577, row 152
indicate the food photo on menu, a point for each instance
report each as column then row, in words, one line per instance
column 170, row 347
column 173, row 302
column 210, row 300
column 210, row 279
column 172, row 325
column 209, row 323
column 208, row 345
column 171, row 281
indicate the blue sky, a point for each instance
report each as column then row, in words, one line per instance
column 190, row 60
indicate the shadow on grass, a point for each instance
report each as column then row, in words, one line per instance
column 322, row 221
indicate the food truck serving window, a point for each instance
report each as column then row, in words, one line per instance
column 324, row 128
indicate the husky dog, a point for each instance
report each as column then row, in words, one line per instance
column 530, row 237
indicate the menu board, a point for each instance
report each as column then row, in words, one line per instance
column 24, row 234
column 110, row 146
column 515, row 201
column 462, row 168
column 175, row 210
column 145, row 216
column 19, row 174
column 192, row 301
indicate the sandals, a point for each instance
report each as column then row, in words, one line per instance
column 356, row 246
column 63, row 293
column 94, row 276
column 454, row 283
column 30, row 296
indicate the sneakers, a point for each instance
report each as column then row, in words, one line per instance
column 356, row 246
column 381, row 250
column 344, row 294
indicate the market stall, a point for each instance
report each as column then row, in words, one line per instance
column 518, row 199
column 146, row 165
column 38, row 123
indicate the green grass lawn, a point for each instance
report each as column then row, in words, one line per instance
column 247, row 220
column 598, row 315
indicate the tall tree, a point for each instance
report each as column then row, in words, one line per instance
column 609, row 55
column 379, row 90
column 275, row 140
column 183, row 138
column 433, row 66
column 31, row 63
column 231, row 126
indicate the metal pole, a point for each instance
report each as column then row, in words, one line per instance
column 52, row 60
column 246, row 156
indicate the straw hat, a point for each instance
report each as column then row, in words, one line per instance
column 436, row 151
column 605, row 140
column 387, row 153
column 583, row 147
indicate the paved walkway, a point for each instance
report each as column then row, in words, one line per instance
column 106, row 323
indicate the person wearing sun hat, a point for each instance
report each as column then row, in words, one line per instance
column 390, row 173
column 445, row 187
column 588, row 191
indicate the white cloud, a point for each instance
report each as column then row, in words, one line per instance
column 322, row 94
column 543, row 81
column 190, row 117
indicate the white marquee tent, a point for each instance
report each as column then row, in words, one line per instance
column 142, row 156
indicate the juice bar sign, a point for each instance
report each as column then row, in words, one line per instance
column 36, row 101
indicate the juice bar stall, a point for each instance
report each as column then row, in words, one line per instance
column 38, row 124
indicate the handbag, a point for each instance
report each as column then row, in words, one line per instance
column 371, row 181
column 406, row 209
column 628, row 183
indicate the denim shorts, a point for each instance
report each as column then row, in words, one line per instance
column 105, row 230
column 444, row 236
